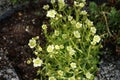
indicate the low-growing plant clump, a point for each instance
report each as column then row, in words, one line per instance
column 106, row 18
column 72, row 46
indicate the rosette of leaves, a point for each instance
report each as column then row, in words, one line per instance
column 72, row 48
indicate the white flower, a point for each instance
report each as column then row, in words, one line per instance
column 61, row 46
column 93, row 43
column 44, row 26
column 51, row 13
column 52, row 1
column 56, row 18
column 50, row 48
column 46, row 7
column 96, row 38
column 70, row 50
column 64, row 36
column 73, row 65
column 56, row 33
column 61, row 3
column 81, row 5
column 60, row 72
column 52, row 78
column 76, row 3
column 57, row 47
column 67, row 69
column 72, row 78
column 73, row 22
column 39, row 48
column 76, row 34
column 60, row 15
column 78, row 25
column 36, row 53
column 83, row 0
column 32, row 43
column 37, row 62
column 88, row 75
column 89, row 23
column 70, row 18
column 93, row 30
column 83, row 12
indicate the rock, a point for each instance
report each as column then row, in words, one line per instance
column 7, row 8
column 109, row 67
column 7, row 72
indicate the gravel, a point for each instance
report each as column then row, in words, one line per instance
column 109, row 67
column 7, row 71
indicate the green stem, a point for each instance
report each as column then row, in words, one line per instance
column 106, row 23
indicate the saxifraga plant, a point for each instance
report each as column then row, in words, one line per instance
column 72, row 48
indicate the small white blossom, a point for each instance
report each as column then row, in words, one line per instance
column 81, row 5
column 76, row 34
column 72, row 78
column 50, row 48
column 93, row 30
column 44, row 26
column 67, row 69
column 73, row 22
column 56, row 18
column 46, row 7
column 64, row 36
column 32, row 43
column 56, row 33
column 76, row 3
column 72, row 52
column 70, row 18
column 37, row 62
column 93, row 43
column 69, row 48
column 96, row 38
column 60, row 15
column 89, row 23
column 57, row 47
column 52, row 78
column 73, row 65
column 60, row 72
column 51, row 13
column 36, row 53
column 88, row 75
column 61, row 3
column 39, row 48
column 78, row 25
column 83, row 12
column 61, row 46
column 83, row 0
column 52, row 1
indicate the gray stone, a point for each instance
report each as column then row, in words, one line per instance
column 6, row 69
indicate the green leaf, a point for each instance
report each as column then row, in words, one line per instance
column 93, row 7
column 113, row 11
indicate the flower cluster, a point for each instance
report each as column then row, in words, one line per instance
column 71, row 51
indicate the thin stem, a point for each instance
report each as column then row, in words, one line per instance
column 106, row 23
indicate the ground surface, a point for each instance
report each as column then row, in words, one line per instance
column 15, row 32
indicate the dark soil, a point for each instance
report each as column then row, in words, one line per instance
column 15, row 32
